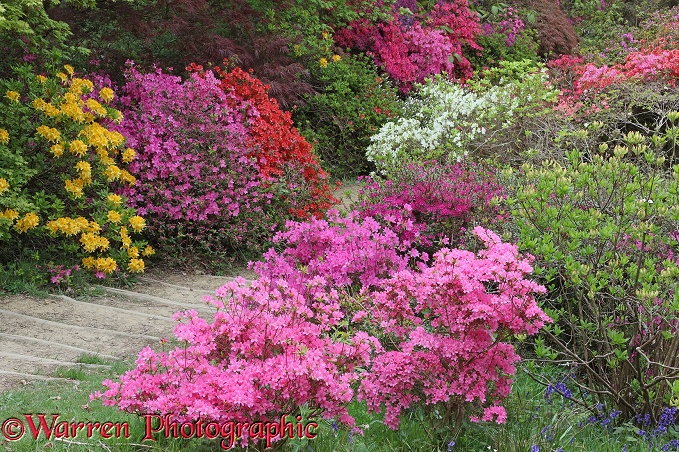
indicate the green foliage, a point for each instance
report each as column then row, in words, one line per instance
column 603, row 227
column 352, row 103
column 27, row 33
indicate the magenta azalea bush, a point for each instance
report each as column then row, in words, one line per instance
column 198, row 178
column 339, row 315
column 416, row 44
column 430, row 204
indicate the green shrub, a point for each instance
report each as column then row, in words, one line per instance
column 352, row 103
column 604, row 229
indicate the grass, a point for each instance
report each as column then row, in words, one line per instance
column 533, row 422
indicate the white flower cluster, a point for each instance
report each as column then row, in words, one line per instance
column 444, row 121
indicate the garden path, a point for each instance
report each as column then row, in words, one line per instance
column 41, row 337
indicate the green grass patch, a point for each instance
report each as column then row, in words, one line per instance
column 533, row 422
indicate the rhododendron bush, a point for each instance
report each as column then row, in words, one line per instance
column 218, row 168
column 417, row 44
column 299, row 334
column 448, row 326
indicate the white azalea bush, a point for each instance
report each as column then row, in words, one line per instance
column 446, row 121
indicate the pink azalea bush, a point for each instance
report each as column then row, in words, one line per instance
column 448, row 327
column 424, row 335
column 417, row 44
column 431, row 204
column 267, row 352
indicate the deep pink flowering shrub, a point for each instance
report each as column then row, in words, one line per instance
column 419, row 44
column 423, row 336
column 431, row 204
column 198, row 182
column 448, row 326
column 266, row 353
column 342, row 252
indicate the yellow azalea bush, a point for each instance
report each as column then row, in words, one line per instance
column 60, row 167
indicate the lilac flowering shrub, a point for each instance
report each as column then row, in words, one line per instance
column 430, row 205
column 198, row 181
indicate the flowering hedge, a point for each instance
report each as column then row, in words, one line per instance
column 414, row 44
column 62, row 161
column 219, row 165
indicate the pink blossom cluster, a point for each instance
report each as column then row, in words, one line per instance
column 581, row 79
column 413, row 48
column 429, row 202
column 448, row 326
column 340, row 251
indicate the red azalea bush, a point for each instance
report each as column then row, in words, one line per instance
column 417, row 44
column 201, row 171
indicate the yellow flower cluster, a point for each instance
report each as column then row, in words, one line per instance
column 49, row 133
column 96, row 107
column 4, row 136
column 136, row 265
column 77, row 147
column 323, row 62
column 85, row 170
column 148, row 251
column 28, row 221
column 41, row 78
column 336, row 58
column 4, row 185
column 128, row 155
column 49, row 109
column 125, row 238
column 80, row 86
column 113, row 216
column 102, row 264
column 9, row 214
column 57, row 150
column 106, row 94
column 115, row 199
column 13, row 96
column 75, row 187
column 70, row 226
column 91, row 241
column 137, row 223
